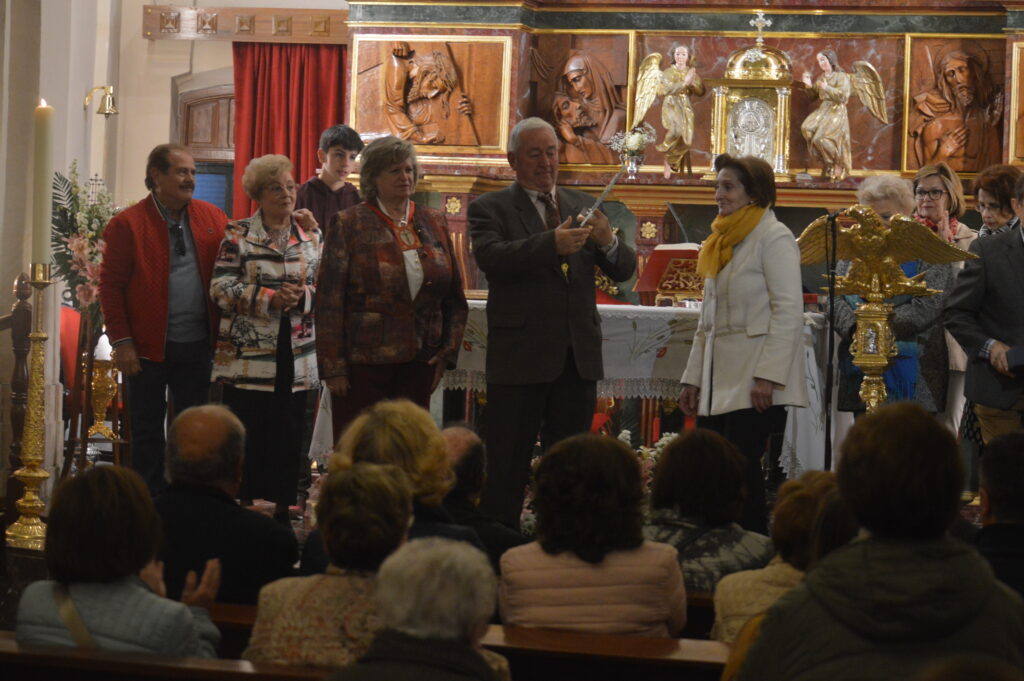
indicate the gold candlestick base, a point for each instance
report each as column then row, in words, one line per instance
column 29, row 531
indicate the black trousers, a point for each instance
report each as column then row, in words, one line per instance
column 514, row 416
column 185, row 373
column 749, row 431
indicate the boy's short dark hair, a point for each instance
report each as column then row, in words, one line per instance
column 340, row 136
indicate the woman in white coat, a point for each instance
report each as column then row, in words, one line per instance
column 746, row 364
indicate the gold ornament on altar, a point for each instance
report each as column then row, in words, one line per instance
column 28, row 531
column 875, row 251
column 104, row 387
column 750, row 116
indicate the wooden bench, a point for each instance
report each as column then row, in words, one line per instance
column 700, row 614
column 546, row 655
column 36, row 663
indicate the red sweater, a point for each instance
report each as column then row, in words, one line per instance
column 136, row 268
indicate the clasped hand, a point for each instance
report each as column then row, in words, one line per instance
column 286, row 297
column 569, row 239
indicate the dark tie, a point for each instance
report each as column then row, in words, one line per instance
column 551, row 220
column 551, row 216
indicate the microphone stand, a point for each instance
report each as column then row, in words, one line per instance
column 831, row 251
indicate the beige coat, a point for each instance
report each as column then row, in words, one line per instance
column 751, row 323
column 638, row 592
column 963, row 239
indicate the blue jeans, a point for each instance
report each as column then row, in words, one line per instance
column 185, row 372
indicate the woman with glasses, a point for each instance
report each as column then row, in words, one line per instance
column 390, row 311
column 920, row 370
column 264, row 282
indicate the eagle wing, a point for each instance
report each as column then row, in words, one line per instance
column 647, row 80
column 910, row 240
column 813, row 243
column 869, row 88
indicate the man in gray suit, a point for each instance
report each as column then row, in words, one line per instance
column 544, row 334
column 985, row 313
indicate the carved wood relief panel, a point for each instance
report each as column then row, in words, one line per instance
column 444, row 93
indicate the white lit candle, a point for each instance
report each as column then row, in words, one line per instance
column 42, row 182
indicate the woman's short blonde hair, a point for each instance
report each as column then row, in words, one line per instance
column 950, row 180
column 400, row 433
column 878, row 188
column 378, row 156
column 262, row 171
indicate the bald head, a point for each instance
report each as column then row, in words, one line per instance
column 469, row 460
column 205, row 446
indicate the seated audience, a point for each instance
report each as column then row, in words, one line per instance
column 202, row 520
column 468, row 457
column 590, row 568
column 742, row 595
column 329, row 620
column 1001, row 539
column 696, row 499
column 888, row 603
column 435, row 597
column 107, row 589
column 401, row 433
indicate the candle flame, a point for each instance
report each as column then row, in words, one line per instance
column 42, row 102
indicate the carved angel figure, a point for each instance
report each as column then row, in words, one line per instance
column 875, row 251
column 827, row 128
column 675, row 84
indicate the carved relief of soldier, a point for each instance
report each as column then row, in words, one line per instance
column 959, row 117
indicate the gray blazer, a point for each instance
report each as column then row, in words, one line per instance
column 988, row 302
column 533, row 313
column 122, row 616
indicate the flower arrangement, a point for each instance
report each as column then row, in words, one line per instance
column 80, row 213
column 648, row 458
column 631, row 145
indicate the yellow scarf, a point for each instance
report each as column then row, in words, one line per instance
column 726, row 232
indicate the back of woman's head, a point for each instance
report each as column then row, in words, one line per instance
column 834, row 526
column 587, row 496
column 700, row 473
column 364, row 513
column 102, row 526
column 401, row 433
column 796, row 507
column 901, row 472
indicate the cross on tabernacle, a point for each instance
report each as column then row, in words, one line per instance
column 760, row 23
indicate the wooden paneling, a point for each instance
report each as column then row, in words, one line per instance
column 206, row 121
column 249, row 24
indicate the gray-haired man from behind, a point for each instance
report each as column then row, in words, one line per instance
column 202, row 519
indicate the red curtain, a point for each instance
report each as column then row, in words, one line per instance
column 285, row 96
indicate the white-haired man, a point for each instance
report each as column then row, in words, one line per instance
column 544, row 334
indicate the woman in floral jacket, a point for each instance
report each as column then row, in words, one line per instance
column 264, row 282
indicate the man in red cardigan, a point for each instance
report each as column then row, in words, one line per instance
column 154, row 290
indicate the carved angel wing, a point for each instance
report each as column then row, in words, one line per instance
column 910, row 240
column 647, row 80
column 813, row 242
column 869, row 88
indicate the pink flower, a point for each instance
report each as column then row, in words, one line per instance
column 86, row 294
column 92, row 271
column 79, row 246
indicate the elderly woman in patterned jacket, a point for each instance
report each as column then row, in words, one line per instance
column 390, row 311
column 264, row 282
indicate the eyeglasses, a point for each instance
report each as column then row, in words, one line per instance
column 281, row 189
column 179, row 239
column 933, row 194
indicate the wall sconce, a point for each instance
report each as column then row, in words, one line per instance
column 107, row 106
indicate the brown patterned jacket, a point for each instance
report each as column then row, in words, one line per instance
column 364, row 314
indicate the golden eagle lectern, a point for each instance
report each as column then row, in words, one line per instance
column 875, row 251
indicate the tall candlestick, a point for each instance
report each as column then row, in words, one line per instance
column 42, row 182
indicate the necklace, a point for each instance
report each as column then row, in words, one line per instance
column 404, row 232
